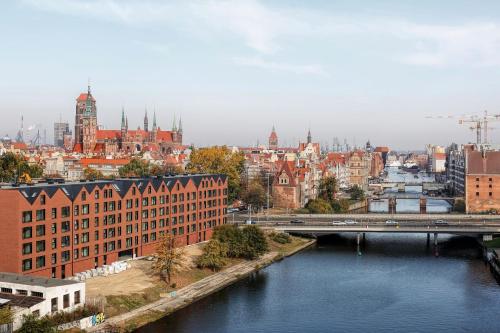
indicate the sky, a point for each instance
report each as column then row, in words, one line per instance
column 359, row 70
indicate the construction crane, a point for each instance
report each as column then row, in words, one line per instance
column 478, row 123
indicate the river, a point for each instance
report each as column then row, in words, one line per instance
column 396, row 285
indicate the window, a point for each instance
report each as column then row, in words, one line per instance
column 22, row 292
column 54, row 243
column 40, row 215
column 477, row 194
column 53, row 305
column 40, row 246
column 84, row 196
column 40, row 230
column 27, row 216
column 65, row 241
column 65, row 226
column 27, row 248
column 96, row 194
column 54, row 213
column 40, row 262
column 85, row 223
column 42, row 199
column 85, row 209
column 85, row 253
column 26, row 264
column 7, row 290
column 36, row 294
column 77, row 297
column 53, row 228
column 65, row 256
column 53, row 258
column 491, row 194
column 27, row 233
column 65, row 211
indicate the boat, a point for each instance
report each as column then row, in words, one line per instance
column 394, row 164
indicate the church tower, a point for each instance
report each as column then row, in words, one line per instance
column 309, row 136
column 88, row 123
column 84, row 101
column 273, row 140
column 146, row 122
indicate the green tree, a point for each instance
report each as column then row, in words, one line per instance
column 328, row 188
column 135, row 168
column 169, row 258
column 92, row 174
column 214, row 255
column 13, row 166
column 232, row 236
column 340, row 206
column 219, row 160
column 255, row 195
column 254, row 242
column 319, row 206
column 459, row 206
column 32, row 324
column 357, row 193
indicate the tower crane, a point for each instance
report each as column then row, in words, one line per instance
column 479, row 124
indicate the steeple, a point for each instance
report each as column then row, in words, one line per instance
column 154, row 121
column 180, row 125
column 126, row 123
column 309, row 137
column 123, row 118
column 146, row 120
column 174, row 125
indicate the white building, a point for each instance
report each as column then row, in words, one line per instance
column 39, row 296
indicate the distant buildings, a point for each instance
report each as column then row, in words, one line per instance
column 61, row 132
column 89, row 139
column 436, row 158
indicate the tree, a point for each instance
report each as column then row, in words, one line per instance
column 219, row 160
column 13, row 166
column 92, row 174
column 328, row 188
column 135, row 168
column 459, row 206
column 340, row 206
column 319, row 206
column 254, row 242
column 232, row 236
column 357, row 193
column 255, row 195
column 214, row 255
column 169, row 259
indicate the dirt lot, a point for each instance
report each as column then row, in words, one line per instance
column 136, row 279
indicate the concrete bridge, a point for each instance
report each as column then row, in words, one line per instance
column 426, row 186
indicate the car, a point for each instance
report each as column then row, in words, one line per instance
column 297, row 221
column 350, row 222
column 232, row 210
column 250, row 222
column 338, row 223
column 391, row 222
column 440, row 222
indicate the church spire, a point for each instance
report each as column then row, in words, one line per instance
column 309, row 136
column 154, row 120
column 174, row 125
column 180, row 125
column 146, row 119
column 123, row 117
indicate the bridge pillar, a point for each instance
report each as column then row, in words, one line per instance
column 423, row 205
column 358, row 241
column 435, row 239
column 428, row 238
column 487, row 238
column 392, row 205
column 364, row 237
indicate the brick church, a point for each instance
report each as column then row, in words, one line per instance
column 89, row 139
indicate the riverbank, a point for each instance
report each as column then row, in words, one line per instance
column 491, row 253
column 189, row 294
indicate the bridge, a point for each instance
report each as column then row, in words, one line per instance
column 426, row 186
column 316, row 225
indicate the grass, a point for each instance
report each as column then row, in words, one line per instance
column 495, row 243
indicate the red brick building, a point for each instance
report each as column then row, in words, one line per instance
column 58, row 230
column 482, row 181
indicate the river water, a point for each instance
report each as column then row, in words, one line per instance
column 396, row 285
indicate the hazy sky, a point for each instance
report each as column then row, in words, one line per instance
column 354, row 69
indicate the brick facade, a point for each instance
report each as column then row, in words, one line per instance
column 58, row 230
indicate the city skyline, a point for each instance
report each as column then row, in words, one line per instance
column 338, row 68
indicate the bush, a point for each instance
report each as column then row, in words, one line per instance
column 214, row 255
column 62, row 317
column 318, row 206
column 6, row 315
column 248, row 242
column 280, row 238
column 459, row 206
column 340, row 206
column 32, row 324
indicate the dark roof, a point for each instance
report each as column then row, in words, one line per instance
column 20, row 300
column 483, row 162
column 34, row 280
column 122, row 186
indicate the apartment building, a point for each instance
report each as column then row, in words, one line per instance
column 60, row 229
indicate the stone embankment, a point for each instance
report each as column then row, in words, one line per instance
column 189, row 294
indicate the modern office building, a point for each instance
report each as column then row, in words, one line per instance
column 58, row 229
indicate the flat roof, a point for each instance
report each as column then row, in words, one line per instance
column 20, row 300
column 34, row 280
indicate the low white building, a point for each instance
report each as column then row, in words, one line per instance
column 39, row 296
